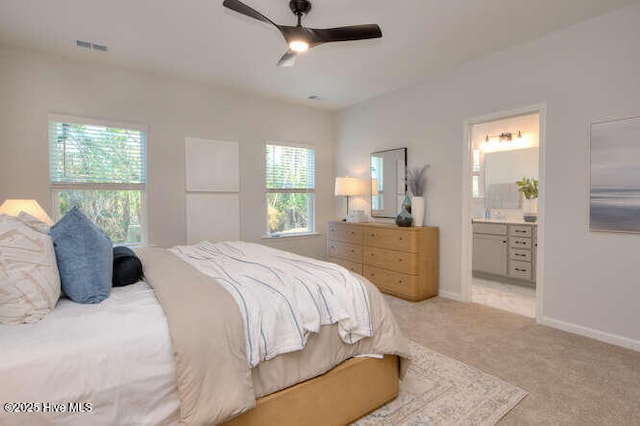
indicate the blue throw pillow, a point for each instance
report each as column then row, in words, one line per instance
column 85, row 258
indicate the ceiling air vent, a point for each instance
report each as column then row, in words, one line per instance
column 92, row 46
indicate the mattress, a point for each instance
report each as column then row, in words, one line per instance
column 109, row 363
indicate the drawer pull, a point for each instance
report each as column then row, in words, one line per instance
column 373, row 254
column 400, row 260
column 373, row 274
column 520, row 270
column 521, row 242
column 521, row 255
column 352, row 250
column 373, row 235
column 504, row 241
column 353, row 233
column 400, row 238
column 399, row 281
column 520, row 232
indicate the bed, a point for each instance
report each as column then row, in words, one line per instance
column 129, row 360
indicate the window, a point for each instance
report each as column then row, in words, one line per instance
column 101, row 168
column 290, row 189
column 478, row 174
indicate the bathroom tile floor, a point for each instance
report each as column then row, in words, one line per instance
column 508, row 297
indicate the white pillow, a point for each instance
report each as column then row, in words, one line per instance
column 34, row 223
column 29, row 279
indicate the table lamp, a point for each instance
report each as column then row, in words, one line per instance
column 13, row 207
column 347, row 187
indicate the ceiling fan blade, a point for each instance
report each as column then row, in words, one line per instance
column 288, row 59
column 355, row 32
column 242, row 8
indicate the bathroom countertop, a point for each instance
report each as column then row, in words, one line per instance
column 505, row 221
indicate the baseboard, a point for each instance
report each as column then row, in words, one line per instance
column 613, row 339
column 449, row 295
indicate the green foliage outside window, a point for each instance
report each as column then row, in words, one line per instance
column 290, row 188
column 102, row 171
column 117, row 213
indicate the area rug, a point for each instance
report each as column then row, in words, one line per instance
column 438, row 390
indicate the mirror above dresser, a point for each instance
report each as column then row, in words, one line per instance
column 388, row 185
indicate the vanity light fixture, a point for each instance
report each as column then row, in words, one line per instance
column 503, row 137
column 507, row 141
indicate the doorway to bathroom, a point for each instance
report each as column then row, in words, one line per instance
column 501, row 238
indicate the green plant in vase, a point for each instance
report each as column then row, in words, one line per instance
column 529, row 187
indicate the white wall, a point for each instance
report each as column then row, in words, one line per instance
column 34, row 84
column 584, row 73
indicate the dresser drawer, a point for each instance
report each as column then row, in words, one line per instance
column 520, row 254
column 518, row 269
column 392, row 282
column 520, row 231
column 490, row 228
column 347, row 264
column 392, row 239
column 345, row 233
column 352, row 252
column 520, row 242
column 398, row 261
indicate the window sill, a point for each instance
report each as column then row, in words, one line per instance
column 285, row 236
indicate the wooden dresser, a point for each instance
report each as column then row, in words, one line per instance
column 399, row 261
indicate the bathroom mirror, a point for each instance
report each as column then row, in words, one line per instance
column 388, row 184
column 502, row 170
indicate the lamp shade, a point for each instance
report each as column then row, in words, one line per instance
column 347, row 186
column 13, row 207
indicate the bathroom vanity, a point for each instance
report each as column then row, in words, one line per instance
column 504, row 250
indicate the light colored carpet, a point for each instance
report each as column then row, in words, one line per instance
column 571, row 380
column 438, row 390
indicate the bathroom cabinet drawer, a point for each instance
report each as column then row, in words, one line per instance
column 345, row 251
column 520, row 231
column 520, row 243
column 490, row 228
column 519, row 254
column 518, row 269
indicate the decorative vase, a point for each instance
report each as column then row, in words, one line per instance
column 417, row 211
column 530, row 209
column 404, row 218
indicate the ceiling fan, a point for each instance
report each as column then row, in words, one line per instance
column 299, row 38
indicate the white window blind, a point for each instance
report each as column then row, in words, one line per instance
column 96, row 154
column 290, row 168
column 290, row 189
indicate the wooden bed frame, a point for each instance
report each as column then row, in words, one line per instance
column 344, row 394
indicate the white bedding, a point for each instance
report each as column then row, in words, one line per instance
column 283, row 297
column 124, row 356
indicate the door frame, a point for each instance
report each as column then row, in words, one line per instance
column 466, row 228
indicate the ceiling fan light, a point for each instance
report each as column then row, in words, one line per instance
column 299, row 46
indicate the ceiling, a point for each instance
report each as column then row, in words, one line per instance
column 202, row 41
